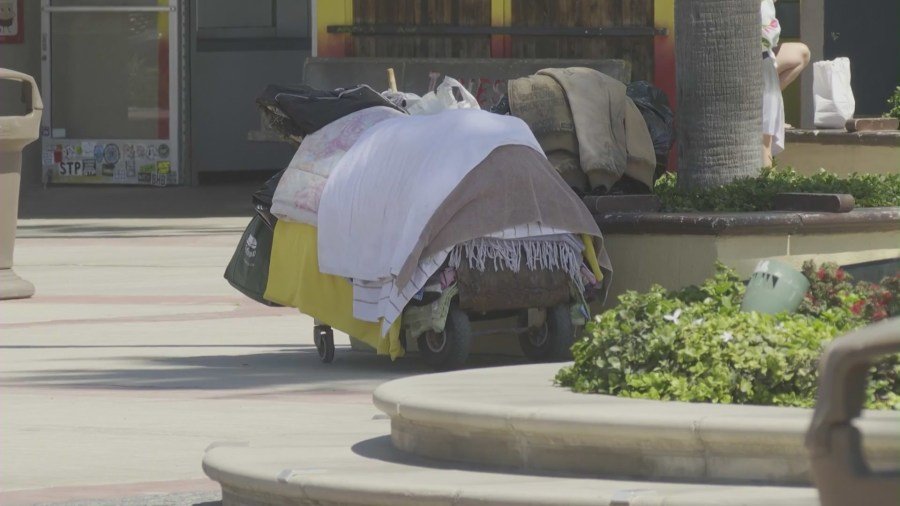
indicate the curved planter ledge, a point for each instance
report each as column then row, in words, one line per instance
column 516, row 419
column 680, row 249
column 282, row 475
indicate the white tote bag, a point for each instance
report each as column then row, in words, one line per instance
column 833, row 97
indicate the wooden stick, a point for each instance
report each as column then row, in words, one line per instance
column 392, row 81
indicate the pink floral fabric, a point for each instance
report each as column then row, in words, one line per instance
column 300, row 189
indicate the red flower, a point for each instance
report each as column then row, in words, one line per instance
column 858, row 306
column 820, row 274
column 839, row 274
column 881, row 314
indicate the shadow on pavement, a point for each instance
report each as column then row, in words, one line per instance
column 132, row 230
column 104, row 201
column 296, row 366
column 380, row 449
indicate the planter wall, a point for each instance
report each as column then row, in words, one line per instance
column 680, row 249
column 842, row 153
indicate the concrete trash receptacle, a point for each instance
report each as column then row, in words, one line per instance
column 16, row 132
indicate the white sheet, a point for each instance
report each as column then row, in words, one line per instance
column 384, row 190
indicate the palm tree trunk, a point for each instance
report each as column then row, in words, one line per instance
column 719, row 78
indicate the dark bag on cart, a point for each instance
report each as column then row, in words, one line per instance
column 262, row 200
column 654, row 107
column 304, row 109
column 248, row 270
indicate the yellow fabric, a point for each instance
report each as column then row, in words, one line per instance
column 590, row 254
column 295, row 281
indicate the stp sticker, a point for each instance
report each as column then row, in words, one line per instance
column 163, row 151
column 90, row 167
column 73, row 168
column 98, row 152
column 163, row 167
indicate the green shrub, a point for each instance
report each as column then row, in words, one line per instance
column 830, row 286
column 893, row 103
column 758, row 194
column 696, row 345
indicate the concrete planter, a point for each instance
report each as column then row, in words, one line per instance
column 524, row 423
column 680, row 249
column 840, row 152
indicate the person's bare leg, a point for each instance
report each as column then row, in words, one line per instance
column 767, row 150
column 792, row 58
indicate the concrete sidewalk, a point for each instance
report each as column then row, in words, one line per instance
column 135, row 354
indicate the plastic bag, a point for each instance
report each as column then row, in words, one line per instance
column 450, row 94
column 654, row 107
column 401, row 99
column 832, row 94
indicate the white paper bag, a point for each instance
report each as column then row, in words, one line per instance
column 832, row 94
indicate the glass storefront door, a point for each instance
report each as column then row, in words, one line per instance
column 111, row 75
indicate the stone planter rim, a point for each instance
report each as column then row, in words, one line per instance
column 869, row 219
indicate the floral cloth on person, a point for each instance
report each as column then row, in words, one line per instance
column 771, row 29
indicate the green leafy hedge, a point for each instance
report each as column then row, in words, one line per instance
column 893, row 103
column 758, row 194
column 696, row 345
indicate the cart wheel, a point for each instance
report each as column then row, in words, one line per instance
column 323, row 336
column 449, row 349
column 553, row 341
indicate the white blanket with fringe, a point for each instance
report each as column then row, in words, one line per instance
column 530, row 246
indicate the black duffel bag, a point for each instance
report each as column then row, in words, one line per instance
column 248, row 270
column 297, row 111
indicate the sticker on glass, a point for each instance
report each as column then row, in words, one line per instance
column 111, row 153
column 90, row 167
